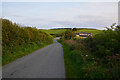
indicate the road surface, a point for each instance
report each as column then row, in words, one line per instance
column 47, row 62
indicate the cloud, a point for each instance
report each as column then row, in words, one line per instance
column 119, row 13
column 60, row 0
column 97, row 15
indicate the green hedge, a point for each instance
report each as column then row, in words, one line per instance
column 18, row 41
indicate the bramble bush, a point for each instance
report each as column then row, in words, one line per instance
column 106, row 43
column 106, row 47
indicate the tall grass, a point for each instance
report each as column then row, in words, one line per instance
column 20, row 51
column 81, row 63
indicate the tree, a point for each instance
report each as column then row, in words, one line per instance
column 69, row 34
column 74, row 29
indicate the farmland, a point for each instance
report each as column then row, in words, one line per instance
column 94, row 32
column 54, row 31
column 60, row 31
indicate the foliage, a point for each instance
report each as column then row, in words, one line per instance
column 80, row 63
column 17, row 40
column 68, row 34
column 107, row 48
column 74, row 29
column 94, row 57
column 106, row 43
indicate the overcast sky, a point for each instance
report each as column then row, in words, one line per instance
column 60, row 0
column 61, row 14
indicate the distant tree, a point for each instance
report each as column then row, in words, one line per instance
column 74, row 29
column 69, row 34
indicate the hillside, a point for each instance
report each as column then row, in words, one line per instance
column 94, row 32
column 59, row 31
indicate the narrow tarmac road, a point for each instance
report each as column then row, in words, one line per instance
column 47, row 62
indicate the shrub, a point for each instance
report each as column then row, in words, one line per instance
column 69, row 34
column 17, row 40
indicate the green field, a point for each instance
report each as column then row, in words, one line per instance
column 54, row 31
column 59, row 31
column 94, row 32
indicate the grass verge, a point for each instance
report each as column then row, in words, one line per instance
column 20, row 51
